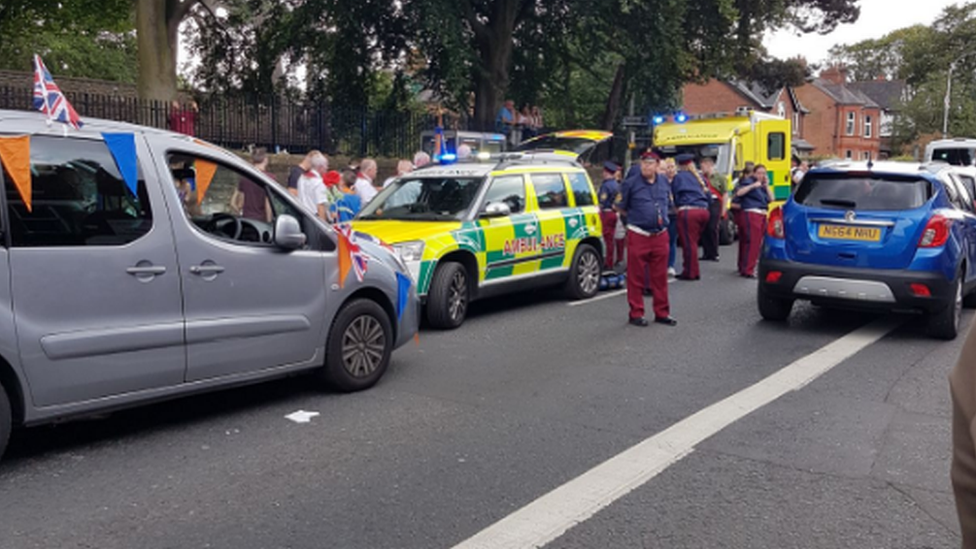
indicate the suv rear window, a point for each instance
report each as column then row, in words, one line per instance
column 863, row 192
column 959, row 156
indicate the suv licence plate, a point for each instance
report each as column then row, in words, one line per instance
column 841, row 232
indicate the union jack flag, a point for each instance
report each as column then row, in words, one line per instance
column 48, row 97
column 356, row 254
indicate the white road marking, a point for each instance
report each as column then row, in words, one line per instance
column 607, row 295
column 550, row 516
column 301, row 416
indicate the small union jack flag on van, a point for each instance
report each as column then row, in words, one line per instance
column 48, row 97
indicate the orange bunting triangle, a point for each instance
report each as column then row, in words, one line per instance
column 205, row 173
column 345, row 259
column 15, row 155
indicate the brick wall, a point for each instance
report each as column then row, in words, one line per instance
column 25, row 80
column 712, row 97
column 819, row 125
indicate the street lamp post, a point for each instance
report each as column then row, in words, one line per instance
column 948, row 95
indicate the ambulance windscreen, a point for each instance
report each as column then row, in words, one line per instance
column 424, row 199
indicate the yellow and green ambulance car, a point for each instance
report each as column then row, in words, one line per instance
column 477, row 229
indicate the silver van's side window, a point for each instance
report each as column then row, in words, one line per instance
column 78, row 198
column 233, row 205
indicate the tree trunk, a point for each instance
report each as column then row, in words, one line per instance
column 614, row 99
column 495, row 46
column 157, row 50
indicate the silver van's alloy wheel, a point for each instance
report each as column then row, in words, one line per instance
column 588, row 273
column 363, row 346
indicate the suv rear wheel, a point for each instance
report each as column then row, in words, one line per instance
column 6, row 421
column 944, row 324
column 584, row 275
column 772, row 308
column 449, row 295
column 359, row 346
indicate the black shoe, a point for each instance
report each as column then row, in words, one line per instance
column 667, row 321
column 688, row 278
column 708, row 259
column 641, row 322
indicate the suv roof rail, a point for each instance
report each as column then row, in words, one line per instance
column 506, row 159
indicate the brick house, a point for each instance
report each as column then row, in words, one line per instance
column 730, row 96
column 890, row 96
column 843, row 122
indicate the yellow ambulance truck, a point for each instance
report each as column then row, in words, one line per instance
column 732, row 140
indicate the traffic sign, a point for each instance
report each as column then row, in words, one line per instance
column 635, row 121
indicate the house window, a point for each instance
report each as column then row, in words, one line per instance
column 851, row 122
column 850, row 155
column 868, row 127
column 781, row 109
column 887, row 124
column 867, row 156
column 796, row 123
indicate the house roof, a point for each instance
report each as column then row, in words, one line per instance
column 756, row 93
column 844, row 94
column 886, row 93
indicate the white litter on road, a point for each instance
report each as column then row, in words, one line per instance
column 551, row 515
column 301, row 416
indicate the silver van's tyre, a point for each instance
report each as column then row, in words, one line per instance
column 726, row 231
column 944, row 324
column 584, row 274
column 6, row 420
column 359, row 346
column 449, row 296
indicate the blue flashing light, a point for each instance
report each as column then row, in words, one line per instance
column 448, row 158
column 658, row 120
column 681, row 118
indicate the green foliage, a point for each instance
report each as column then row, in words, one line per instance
column 80, row 38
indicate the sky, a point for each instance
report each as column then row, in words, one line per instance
column 878, row 18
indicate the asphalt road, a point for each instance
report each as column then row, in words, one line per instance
column 472, row 425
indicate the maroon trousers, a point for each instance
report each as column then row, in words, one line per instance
column 691, row 225
column 752, row 227
column 648, row 254
column 609, row 220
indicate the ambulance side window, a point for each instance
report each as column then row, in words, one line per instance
column 510, row 190
column 581, row 189
column 550, row 190
column 777, row 146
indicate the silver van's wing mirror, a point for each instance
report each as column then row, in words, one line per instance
column 497, row 209
column 288, row 233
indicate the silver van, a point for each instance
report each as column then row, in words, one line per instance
column 113, row 295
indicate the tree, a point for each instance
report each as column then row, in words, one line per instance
column 81, row 38
column 157, row 28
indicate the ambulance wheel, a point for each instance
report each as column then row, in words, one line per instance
column 771, row 308
column 584, row 275
column 6, row 421
column 726, row 231
column 448, row 297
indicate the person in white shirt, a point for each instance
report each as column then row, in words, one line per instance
column 364, row 184
column 312, row 194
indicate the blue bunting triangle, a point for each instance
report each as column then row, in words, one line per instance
column 403, row 294
column 123, row 149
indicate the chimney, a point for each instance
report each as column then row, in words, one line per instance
column 835, row 74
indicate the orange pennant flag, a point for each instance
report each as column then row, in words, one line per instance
column 15, row 155
column 205, row 172
column 345, row 259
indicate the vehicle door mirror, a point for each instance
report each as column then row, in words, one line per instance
column 288, row 233
column 496, row 209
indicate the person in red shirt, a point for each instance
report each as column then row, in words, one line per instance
column 183, row 120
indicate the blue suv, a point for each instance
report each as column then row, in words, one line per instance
column 886, row 236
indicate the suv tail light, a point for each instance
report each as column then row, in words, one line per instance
column 936, row 232
column 774, row 225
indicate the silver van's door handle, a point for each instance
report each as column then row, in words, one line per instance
column 206, row 269
column 146, row 270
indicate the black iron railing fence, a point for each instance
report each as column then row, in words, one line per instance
column 277, row 123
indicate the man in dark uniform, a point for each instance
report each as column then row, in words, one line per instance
column 643, row 202
column 608, row 193
column 717, row 188
column 691, row 201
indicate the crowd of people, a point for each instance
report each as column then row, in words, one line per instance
column 662, row 201
column 519, row 124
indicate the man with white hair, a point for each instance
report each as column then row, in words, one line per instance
column 420, row 159
column 464, row 151
column 312, row 194
column 364, row 184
